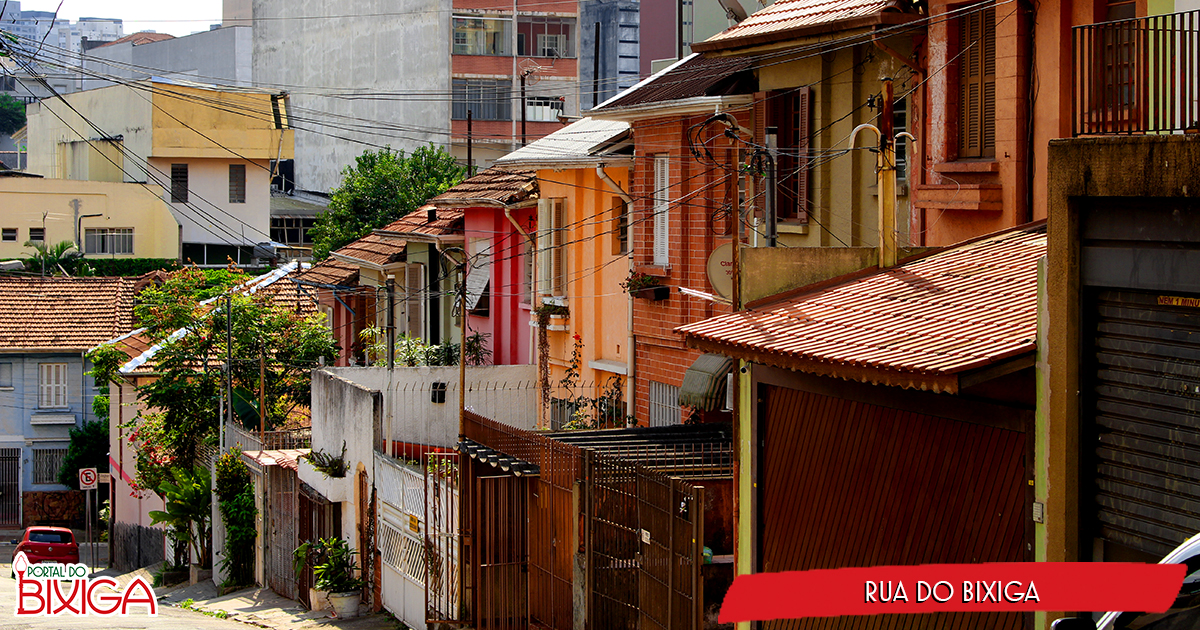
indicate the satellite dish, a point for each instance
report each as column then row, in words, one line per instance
column 734, row 10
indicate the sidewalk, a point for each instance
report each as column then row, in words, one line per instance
column 264, row 608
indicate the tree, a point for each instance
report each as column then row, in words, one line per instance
column 182, row 404
column 50, row 259
column 12, row 114
column 381, row 187
column 188, row 502
column 88, row 449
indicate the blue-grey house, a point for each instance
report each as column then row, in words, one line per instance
column 46, row 327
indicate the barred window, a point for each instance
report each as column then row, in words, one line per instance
column 46, row 464
column 179, row 183
column 237, row 183
column 108, row 241
column 488, row 99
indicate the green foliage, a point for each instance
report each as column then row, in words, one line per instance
column 106, row 360
column 12, row 114
column 186, row 394
column 328, row 464
column 127, row 266
column 586, row 412
column 309, row 554
column 381, row 187
column 412, row 352
column 188, row 503
column 336, row 573
column 88, row 449
column 239, row 514
column 50, row 260
column 100, row 403
column 233, row 476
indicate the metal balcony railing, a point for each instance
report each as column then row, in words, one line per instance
column 1137, row 76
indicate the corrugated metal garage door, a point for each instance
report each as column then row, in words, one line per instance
column 849, row 484
column 1145, row 398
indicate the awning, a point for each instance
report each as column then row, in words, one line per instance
column 704, row 383
column 496, row 459
column 286, row 458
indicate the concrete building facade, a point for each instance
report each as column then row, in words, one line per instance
column 220, row 57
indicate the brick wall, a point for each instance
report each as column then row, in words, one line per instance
column 660, row 353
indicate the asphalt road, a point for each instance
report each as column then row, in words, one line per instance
column 169, row 618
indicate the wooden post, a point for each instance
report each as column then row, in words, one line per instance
column 262, row 398
column 886, row 189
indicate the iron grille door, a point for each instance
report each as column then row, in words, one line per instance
column 501, row 554
column 10, row 487
column 442, row 594
column 1144, row 396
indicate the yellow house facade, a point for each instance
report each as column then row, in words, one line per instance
column 583, row 231
column 103, row 219
column 211, row 150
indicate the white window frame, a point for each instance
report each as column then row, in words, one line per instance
column 552, row 45
column 111, row 241
column 661, row 209
column 52, row 386
column 664, row 409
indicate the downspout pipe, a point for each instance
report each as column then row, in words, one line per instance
column 630, row 353
column 533, row 285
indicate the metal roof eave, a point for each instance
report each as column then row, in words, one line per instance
column 570, row 163
column 694, row 105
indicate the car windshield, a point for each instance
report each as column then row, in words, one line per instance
column 49, row 537
column 1184, row 612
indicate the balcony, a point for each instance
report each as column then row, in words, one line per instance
column 1137, row 76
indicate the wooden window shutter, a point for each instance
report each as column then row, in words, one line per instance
column 802, row 149
column 545, row 242
column 977, row 85
column 414, row 285
column 661, row 209
column 559, row 256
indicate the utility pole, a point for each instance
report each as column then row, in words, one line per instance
column 772, row 212
column 391, row 327
column 887, row 180
column 262, row 397
column 462, row 347
column 523, row 75
column 470, row 162
column 228, row 359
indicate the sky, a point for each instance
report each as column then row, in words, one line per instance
column 176, row 18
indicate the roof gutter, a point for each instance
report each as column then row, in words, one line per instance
column 630, row 338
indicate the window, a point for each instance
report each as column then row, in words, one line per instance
column 37, row 234
column 620, row 227
column 661, row 209
column 788, row 113
column 543, row 108
column 664, row 405
column 6, row 375
column 46, row 464
column 487, row 99
column 52, row 385
column 900, row 125
column 414, row 289
column 179, row 183
column 546, row 37
column 9, row 235
column 552, row 254
column 108, row 241
column 482, row 36
column 292, row 230
column 479, row 277
column 527, row 273
column 237, row 183
column 977, row 85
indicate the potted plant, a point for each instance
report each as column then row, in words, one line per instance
column 308, row 555
column 646, row 286
column 335, row 575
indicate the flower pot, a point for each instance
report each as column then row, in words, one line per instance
column 318, row 600
column 345, row 605
column 658, row 292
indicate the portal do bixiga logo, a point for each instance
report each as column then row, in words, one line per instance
column 49, row 589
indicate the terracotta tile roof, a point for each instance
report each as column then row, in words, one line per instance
column 692, row 77
column 446, row 221
column 918, row 325
column 797, row 18
column 137, row 39
column 69, row 314
column 373, row 249
column 331, row 271
column 502, row 188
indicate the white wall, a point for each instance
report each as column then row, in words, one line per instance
column 406, row 51
column 208, row 217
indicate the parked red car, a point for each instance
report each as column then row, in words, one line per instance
column 48, row 544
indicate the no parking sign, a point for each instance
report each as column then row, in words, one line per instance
column 87, row 478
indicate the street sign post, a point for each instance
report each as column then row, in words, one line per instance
column 87, row 482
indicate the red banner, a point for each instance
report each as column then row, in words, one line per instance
column 1003, row 586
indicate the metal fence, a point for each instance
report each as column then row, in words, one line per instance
column 1140, row 75
column 442, row 596
column 270, row 440
column 548, row 525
